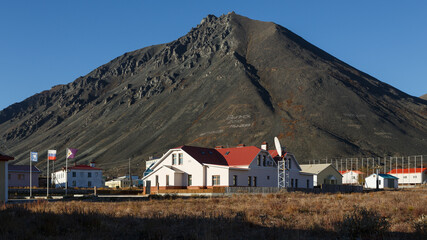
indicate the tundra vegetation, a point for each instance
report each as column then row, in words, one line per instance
column 376, row 215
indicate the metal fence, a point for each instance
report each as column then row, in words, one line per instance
column 325, row 188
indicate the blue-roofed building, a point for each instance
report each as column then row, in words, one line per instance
column 384, row 181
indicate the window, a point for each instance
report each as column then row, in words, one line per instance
column 263, row 161
column 259, row 160
column 308, row 183
column 415, row 176
column 296, row 183
column 215, row 180
column 167, row 180
column 74, row 183
column 254, row 181
column 234, row 180
column 89, row 184
column 157, row 180
column 21, row 176
column 173, row 159
column 292, row 182
column 268, row 177
column 190, row 180
column 289, row 163
column 249, row 181
column 353, row 177
column 405, row 176
column 8, row 176
column 74, row 174
column 180, row 159
column 89, row 174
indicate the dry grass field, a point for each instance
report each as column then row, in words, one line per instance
column 376, row 215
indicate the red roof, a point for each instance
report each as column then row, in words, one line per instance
column 239, row 156
column 205, row 155
column 273, row 153
column 5, row 157
column 407, row 170
column 83, row 167
column 355, row 171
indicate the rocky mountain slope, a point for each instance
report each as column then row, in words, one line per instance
column 230, row 80
column 424, row 97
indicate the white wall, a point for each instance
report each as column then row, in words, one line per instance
column 350, row 177
column 410, row 178
column 221, row 171
column 188, row 166
column 81, row 178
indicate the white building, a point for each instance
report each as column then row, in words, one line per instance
column 149, row 164
column 352, row 177
column 410, row 175
column 384, row 181
column 197, row 167
column 322, row 173
column 82, row 176
column 123, row 181
column 298, row 179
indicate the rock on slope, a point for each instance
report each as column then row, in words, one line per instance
column 230, row 80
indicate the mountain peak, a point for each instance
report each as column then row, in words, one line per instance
column 227, row 81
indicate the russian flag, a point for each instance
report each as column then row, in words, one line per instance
column 51, row 155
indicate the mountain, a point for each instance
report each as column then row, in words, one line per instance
column 424, row 97
column 230, row 80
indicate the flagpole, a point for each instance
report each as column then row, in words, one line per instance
column 47, row 191
column 31, row 177
column 66, row 173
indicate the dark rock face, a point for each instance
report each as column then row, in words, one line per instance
column 230, row 80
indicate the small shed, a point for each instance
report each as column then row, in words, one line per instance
column 352, row 176
column 322, row 173
column 3, row 177
column 384, row 181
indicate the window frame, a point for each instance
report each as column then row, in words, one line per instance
column 174, row 159
column 234, row 180
column 216, row 180
column 189, row 180
column 180, row 159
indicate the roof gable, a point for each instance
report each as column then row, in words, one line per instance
column 239, row 156
column 349, row 171
column 83, row 167
column 387, row 176
column 407, row 170
column 316, row 168
column 22, row 168
column 5, row 157
column 205, row 155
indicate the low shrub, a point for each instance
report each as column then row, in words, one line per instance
column 363, row 223
column 420, row 225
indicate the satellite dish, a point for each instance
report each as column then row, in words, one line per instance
column 278, row 146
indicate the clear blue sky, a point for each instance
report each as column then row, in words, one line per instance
column 45, row 43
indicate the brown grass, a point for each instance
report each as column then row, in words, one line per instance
column 273, row 216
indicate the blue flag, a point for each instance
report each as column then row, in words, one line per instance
column 33, row 156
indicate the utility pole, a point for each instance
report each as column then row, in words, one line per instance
column 130, row 177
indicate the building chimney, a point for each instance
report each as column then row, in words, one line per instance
column 219, row 147
column 264, row 146
column 241, row 145
column 92, row 164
